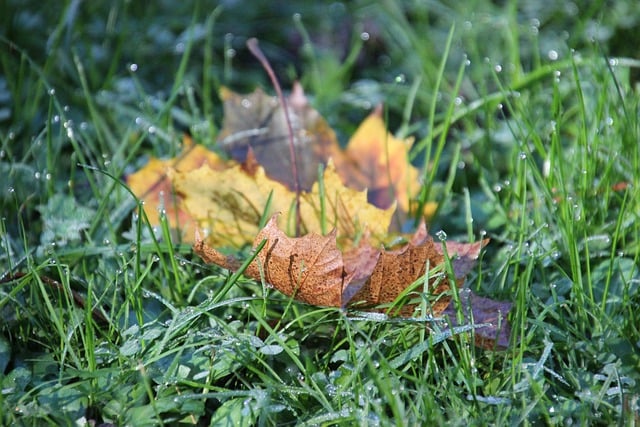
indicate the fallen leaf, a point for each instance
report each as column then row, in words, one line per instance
column 378, row 161
column 309, row 268
column 312, row 269
column 228, row 204
column 257, row 121
column 151, row 184
column 481, row 310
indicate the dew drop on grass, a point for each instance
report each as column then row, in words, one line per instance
column 230, row 53
column 400, row 79
column 245, row 103
column 364, row 36
column 497, row 188
column 522, row 155
column 52, row 92
column 553, row 54
column 151, row 130
column 442, row 235
column 133, row 67
column 498, row 68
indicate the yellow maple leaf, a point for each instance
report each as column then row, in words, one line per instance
column 228, row 205
column 152, row 185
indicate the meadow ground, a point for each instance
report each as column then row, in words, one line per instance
column 525, row 117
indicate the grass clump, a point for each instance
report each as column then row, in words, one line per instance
column 527, row 117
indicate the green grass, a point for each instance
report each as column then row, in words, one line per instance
column 527, row 117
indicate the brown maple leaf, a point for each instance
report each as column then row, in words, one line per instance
column 257, row 121
column 312, row 269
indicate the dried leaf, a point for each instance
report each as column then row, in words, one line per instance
column 481, row 310
column 312, row 269
column 257, row 121
column 309, row 268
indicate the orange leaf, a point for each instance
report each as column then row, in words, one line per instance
column 313, row 270
column 379, row 162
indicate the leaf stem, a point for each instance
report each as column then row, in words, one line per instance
column 252, row 44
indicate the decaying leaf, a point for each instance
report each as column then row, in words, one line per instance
column 480, row 310
column 373, row 160
column 312, row 269
column 152, row 185
column 257, row 121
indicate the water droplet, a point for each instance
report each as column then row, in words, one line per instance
column 245, row 103
column 106, row 242
column 364, row 36
column 56, row 118
column 151, row 130
column 613, row 62
column 442, row 235
column 52, row 92
column 37, row 175
column 522, row 155
column 458, row 101
column 498, row 68
column 400, row 79
column 552, row 54
column 11, row 190
column 133, row 67
column 179, row 47
column 230, row 53
column 609, row 121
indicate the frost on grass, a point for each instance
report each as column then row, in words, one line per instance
column 63, row 220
